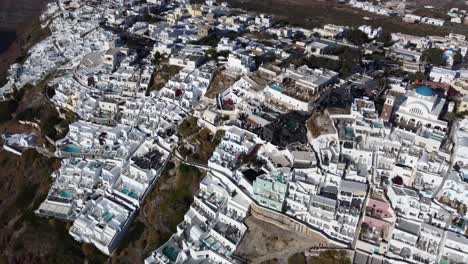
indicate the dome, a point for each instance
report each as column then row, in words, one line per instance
column 424, row 91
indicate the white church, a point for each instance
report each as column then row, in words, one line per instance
column 421, row 107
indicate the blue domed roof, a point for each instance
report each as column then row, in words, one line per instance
column 424, row 91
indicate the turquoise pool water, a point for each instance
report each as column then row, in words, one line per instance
column 216, row 246
column 378, row 125
column 278, row 89
column 209, row 241
column 133, row 194
column 71, row 149
column 171, row 253
column 436, row 137
column 67, row 195
column 107, row 216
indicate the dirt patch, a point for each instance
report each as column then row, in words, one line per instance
column 221, row 82
column 198, row 143
column 189, row 127
column 200, row 146
column 265, row 242
column 162, row 76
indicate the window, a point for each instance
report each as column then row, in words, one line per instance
column 416, row 111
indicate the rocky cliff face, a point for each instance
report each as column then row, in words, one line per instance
column 18, row 19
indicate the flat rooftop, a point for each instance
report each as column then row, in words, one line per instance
column 292, row 89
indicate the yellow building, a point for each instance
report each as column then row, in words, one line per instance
column 463, row 106
column 230, row 20
column 195, row 10
column 460, row 86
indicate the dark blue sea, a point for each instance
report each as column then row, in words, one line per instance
column 6, row 38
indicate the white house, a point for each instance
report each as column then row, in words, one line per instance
column 443, row 75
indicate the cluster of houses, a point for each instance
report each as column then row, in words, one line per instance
column 106, row 173
column 404, row 10
column 375, row 164
column 64, row 46
column 410, row 49
column 372, row 7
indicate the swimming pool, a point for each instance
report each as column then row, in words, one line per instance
column 133, row 194
column 66, row 195
column 71, row 149
column 349, row 131
column 278, row 89
column 107, row 216
column 171, row 253
column 377, row 125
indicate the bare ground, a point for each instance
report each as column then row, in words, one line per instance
column 221, row 82
column 163, row 75
column 267, row 243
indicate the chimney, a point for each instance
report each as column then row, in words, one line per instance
column 387, row 109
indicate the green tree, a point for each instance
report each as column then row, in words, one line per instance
column 416, row 76
column 386, row 39
column 457, row 58
column 357, row 37
column 151, row 19
column 265, row 58
column 349, row 59
column 210, row 40
column 433, row 56
column 157, row 58
column 213, row 54
column 364, row 230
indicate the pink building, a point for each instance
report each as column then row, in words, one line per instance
column 379, row 209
